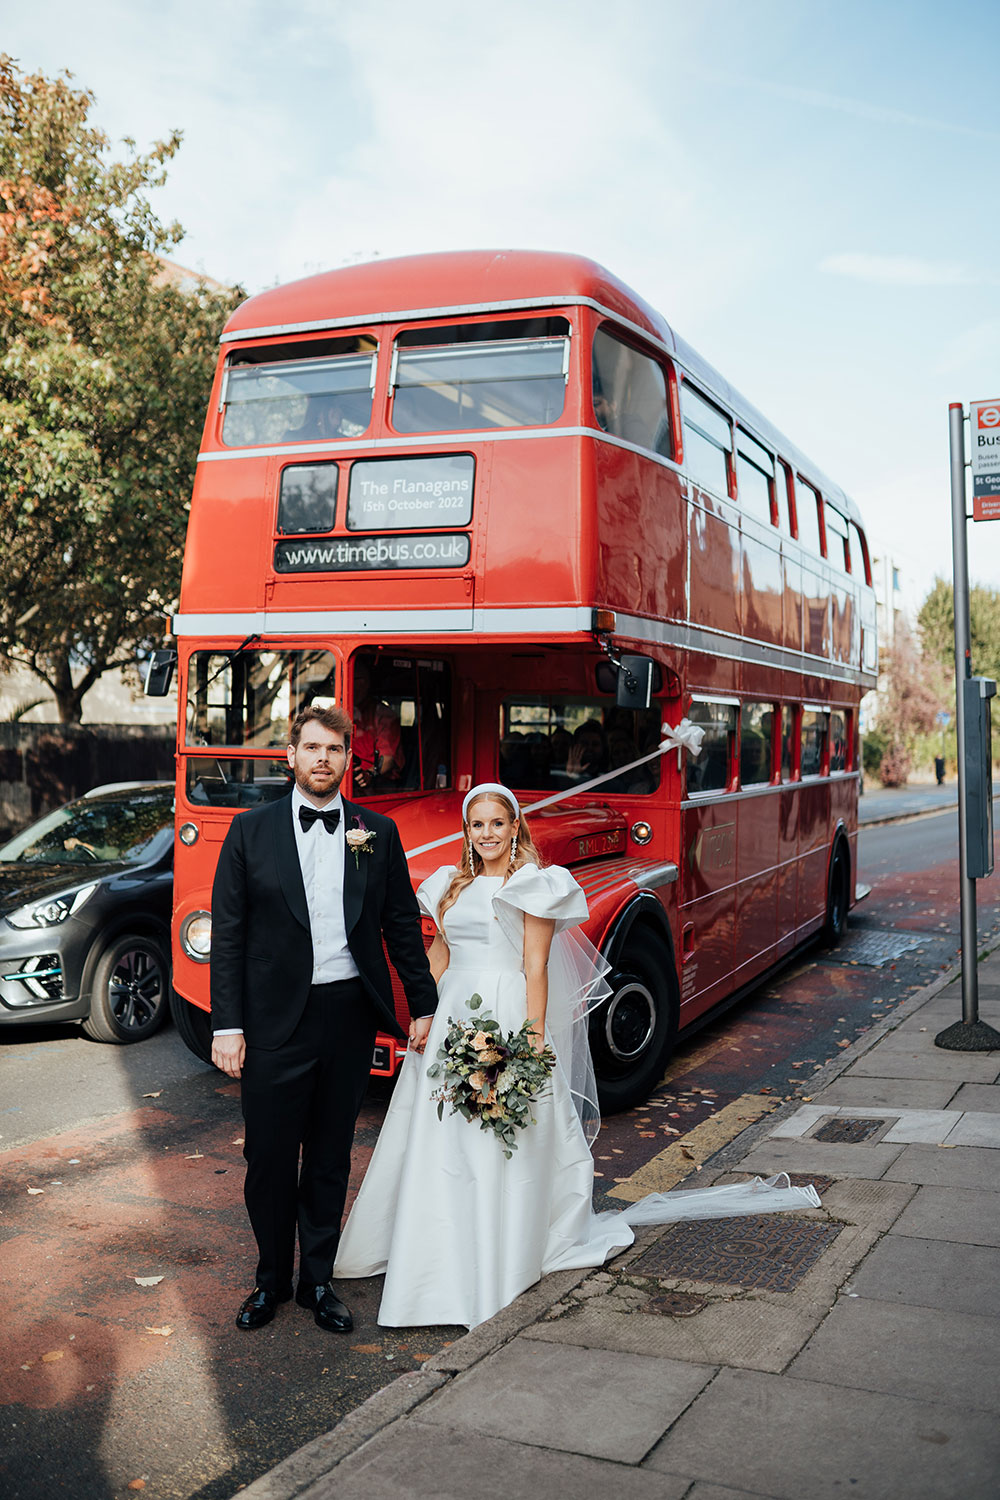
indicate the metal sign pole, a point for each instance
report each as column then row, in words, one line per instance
column 969, row 1034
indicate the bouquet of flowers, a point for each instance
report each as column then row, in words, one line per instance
column 489, row 1077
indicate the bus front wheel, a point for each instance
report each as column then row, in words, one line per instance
column 194, row 1026
column 632, row 1034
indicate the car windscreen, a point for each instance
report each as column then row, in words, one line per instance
column 131, row 828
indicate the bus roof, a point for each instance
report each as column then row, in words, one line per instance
column 463, row 282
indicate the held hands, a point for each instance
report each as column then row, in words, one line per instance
column 419, row 1030
column 228, row 1053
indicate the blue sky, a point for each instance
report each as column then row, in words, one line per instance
column 805, row 189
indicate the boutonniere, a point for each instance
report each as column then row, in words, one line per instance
column 360, row 840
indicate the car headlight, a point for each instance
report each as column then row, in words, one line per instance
column 53, row 910
column 196, row 936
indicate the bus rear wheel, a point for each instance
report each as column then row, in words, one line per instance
column 632, row 1034
column 194, row 1026
column 838, row 899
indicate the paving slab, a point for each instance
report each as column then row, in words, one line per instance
column 921, row 1353
column 713, row 1324
column 907, row 1093
column 974, row 1129
column 957, row 1067
column 981, row 1098
column 719, row 1492
column 792, row 1439
column 947, row 1166
column 965, row 1215
column 613, row 1406
column 931, row 1273
column 824, row 1157
column 428, row 1463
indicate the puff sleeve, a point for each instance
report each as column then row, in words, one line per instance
column 433, row 888
column 551, row 893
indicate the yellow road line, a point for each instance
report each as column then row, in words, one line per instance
column 675, row 1163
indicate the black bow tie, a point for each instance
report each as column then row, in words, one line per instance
column 329, row 819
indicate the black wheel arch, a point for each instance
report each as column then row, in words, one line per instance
column 645, row 911
column 137, row 924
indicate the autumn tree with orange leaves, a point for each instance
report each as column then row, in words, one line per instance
column 105, row 368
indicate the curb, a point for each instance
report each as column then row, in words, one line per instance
column 296, row 1475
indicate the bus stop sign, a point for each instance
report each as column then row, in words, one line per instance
column 984, row 422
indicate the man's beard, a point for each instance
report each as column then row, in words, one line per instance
column 305, row 783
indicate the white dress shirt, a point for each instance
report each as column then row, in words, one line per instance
column 321, row 860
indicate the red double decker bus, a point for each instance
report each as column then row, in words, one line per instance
column 492, row 504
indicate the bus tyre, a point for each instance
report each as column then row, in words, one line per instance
column 632, row 1034
column 194, row 1026
column 128, row 1001
column 838, row 899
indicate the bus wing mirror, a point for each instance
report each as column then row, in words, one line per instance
column 635, row 682
column 157, row 673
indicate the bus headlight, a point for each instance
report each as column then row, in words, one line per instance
column 196, row 936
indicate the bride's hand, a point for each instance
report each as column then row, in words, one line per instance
column 537, row 1039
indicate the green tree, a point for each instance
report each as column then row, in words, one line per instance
column 937, row 628
column 105, row 369
column 915, row 689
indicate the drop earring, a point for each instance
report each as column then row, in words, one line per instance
column 513, row 849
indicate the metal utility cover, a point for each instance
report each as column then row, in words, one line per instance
column 770, row 1251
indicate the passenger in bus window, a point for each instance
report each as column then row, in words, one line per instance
column 588, row 755
column 378, row 755
column 604, row 408
column 336, row 415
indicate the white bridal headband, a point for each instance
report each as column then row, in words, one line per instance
column 488, row 788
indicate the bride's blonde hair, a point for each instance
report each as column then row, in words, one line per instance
column 471, row 865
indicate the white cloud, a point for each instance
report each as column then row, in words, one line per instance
column 903, row 270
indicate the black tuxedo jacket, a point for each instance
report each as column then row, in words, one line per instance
column 262, row 957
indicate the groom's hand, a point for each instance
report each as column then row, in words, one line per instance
column 418, row 1033
column 228, row 1053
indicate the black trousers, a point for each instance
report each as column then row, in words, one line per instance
column 304, row 1098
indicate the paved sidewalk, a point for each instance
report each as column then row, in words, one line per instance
column 851, row 1349
column 888, row 804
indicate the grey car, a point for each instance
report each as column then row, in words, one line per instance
column 85, row 898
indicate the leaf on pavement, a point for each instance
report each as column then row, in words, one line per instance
column 52, row 1356
column 147, row 1280
column 152, row 1096
column 164, row 1332
column 35, row 1191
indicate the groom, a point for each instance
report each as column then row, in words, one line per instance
column 306, row 890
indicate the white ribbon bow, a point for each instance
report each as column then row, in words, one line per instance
column 686, row 736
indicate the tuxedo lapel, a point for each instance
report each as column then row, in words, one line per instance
column 287, row 858
column 355, row 871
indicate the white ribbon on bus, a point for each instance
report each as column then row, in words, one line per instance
column 680, row 737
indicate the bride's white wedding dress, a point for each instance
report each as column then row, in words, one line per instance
column 459, row 1229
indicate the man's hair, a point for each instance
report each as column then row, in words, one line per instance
column 336, row 719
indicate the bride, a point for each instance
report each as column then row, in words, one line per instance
column 459, row 1229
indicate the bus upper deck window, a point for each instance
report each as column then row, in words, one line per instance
column 708, row 440
column 480, row 375
column 807, row 514
column 859, row 555
column 754, row 477
column 292, row 393
column 630, row 394
column 838, row 546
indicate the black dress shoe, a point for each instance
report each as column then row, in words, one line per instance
column 259, row 1308
column 327, row 1308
